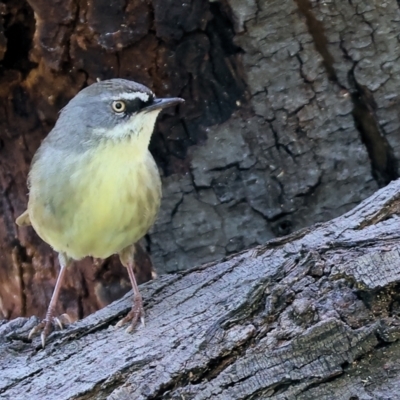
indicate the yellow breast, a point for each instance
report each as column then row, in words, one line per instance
column 102, row 202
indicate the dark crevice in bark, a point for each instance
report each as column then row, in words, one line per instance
column 176, row 207
column 229, row 86
column 317, row 31
column 147, row 243
column 82, row 296
column 18, row 261
column 281, row 225
column 19, row 28
column 384, row 163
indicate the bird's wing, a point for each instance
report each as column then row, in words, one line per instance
column 23, row 219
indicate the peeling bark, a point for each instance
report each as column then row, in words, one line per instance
column 306, row 316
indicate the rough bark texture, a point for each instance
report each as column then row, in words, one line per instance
column 290, row 118
column 314, row 315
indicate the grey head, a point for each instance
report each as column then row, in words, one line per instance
column 107, row 110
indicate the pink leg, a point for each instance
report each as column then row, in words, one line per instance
column 47, row 324
column 127, row 259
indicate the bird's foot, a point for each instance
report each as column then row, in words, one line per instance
column 133, row 315
column 48, row 325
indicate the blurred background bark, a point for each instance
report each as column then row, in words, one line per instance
column 291, row 118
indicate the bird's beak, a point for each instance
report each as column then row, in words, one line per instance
column 159, row 104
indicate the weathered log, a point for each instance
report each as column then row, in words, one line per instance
column 291, row 118
column 311, row 315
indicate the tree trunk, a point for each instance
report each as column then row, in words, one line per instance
column 314, row 315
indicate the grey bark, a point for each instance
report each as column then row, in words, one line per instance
column 314, row 315
column 320, row 132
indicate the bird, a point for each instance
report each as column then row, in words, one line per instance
column 94, row 187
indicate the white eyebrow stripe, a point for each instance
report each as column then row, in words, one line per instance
column 132, row 96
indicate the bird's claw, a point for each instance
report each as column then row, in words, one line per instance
column 47, row 326
column 133, row 316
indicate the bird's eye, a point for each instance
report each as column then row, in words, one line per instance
column 118, row 106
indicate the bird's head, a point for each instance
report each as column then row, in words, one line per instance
column 114, row 110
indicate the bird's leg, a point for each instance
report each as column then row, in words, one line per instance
column 127, row 259
column 47, row 324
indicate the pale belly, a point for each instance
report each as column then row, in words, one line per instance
column 99, row 208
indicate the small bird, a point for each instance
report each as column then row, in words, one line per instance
column 94, row 187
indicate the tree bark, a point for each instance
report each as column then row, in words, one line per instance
column 313, row 315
